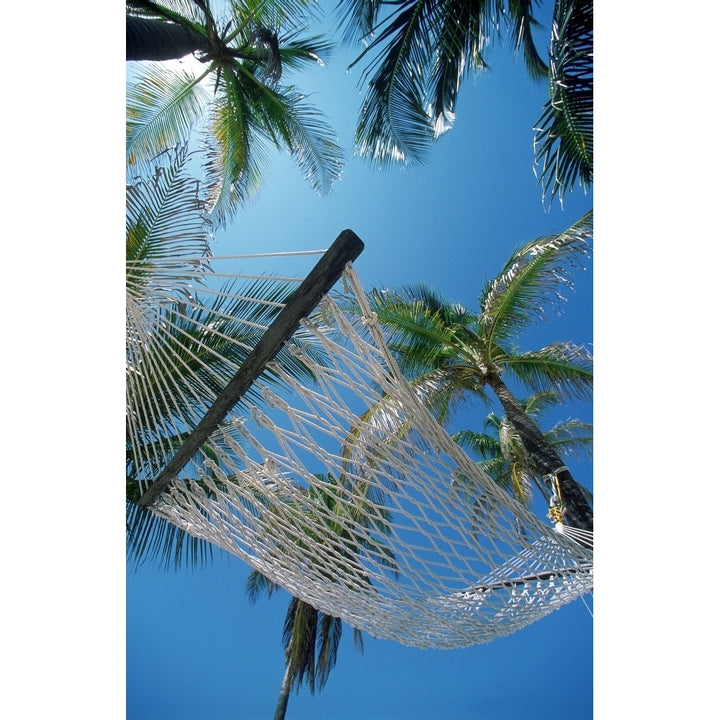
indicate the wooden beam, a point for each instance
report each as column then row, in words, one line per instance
column 346, row 248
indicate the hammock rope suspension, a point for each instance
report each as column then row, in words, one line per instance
column 329, row 476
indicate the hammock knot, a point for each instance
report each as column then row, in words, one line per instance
column 273, row 400
column 260, row 418
column 370, row 319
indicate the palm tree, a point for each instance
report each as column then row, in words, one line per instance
column 418, row 52
column 312, row 638
column 504, row 456
column 450, row 354
column 181, row 349
column 237, row 100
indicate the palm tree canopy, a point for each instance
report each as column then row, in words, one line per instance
column 447, row 350
column 504, row 456
column 237, row 101
column 451, row 355
column 418, row 52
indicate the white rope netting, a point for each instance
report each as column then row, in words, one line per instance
column 341, row 488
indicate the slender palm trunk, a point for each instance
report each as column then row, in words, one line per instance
column 159, row 40
column 577, row 511
column 282, row 703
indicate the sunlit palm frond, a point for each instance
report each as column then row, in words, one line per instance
column 251, row 118
column 420, row 325
column 482, row 444
column 539, row 402
column 564, row 132
column 162, row 108
column 165, row 214
column 566, row 367
column 237, row 153
column 298, row 51
column 311, row 141
column 530, row 284
column 462, row 34
column 572, row 438
column 394, row 125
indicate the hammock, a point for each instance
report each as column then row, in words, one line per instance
column 328, row 475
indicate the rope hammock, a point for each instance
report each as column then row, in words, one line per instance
column 328, row 475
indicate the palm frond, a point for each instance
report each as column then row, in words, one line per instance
column 177, row 11
column 394, row 125
column 165, row 215
column 356, row 19
column 539, row 402
column 273, row 13
column 298, row 50
column 162, row 108
column 150, row 538
column 236, row 155
column 417, row 56
column 310, row 140
column 299, row 637
column 522, row 21
column 564, row 132
column 257, row 584
column 482, row 444
column 572, row 438
column 250, row 118
column 462, row 34
column 565, row 367
column 328, row 642
column 530, row 284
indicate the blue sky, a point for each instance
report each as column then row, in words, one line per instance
column 195, row 648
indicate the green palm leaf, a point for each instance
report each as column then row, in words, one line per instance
column 164, row 216
column 248, row 113
column 530, row 285
column 250, row 118
column 236, row 154
column 505, row 458
column 162, row 108
column 522, row 21
column 566, row 367
column 394, row 125
column 564, row 132
column 418, row 54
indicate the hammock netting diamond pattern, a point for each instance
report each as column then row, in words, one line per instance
column 330, row 476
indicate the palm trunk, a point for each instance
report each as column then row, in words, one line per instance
column 577, row 511
column 159, row 40
column 282, row 703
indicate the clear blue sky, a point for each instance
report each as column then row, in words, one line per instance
column 196, row 650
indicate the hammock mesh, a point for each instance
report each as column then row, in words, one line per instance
column 334, row 482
